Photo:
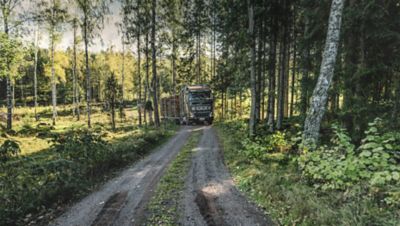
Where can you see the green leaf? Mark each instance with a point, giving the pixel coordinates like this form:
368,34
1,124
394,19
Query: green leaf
395,175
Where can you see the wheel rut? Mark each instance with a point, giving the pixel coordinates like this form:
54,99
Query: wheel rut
120,200
211,197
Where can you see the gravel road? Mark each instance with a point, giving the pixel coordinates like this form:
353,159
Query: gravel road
210,197
120,201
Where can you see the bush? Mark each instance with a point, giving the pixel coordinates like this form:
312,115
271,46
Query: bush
342,166
8,150
262,147
77,160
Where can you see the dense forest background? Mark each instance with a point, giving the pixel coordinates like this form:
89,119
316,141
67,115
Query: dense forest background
307,100
208,42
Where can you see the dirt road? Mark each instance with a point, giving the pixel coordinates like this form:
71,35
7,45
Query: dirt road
210,186
210,197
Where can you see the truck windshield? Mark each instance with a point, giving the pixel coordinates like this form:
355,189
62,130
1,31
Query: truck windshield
199,95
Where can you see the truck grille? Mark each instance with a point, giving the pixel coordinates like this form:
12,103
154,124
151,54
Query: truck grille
202,114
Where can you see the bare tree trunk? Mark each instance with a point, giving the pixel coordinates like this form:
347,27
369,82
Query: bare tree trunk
318,102
140,101
35,71
8,81
88,80
174,64
122,105
146,88
53,73
74,74
154,64
272,78
252,122
305,72
294,69
282,80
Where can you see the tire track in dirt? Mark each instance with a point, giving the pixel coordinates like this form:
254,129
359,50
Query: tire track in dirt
211,197
120,200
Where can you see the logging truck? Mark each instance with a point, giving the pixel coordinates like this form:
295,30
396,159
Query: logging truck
194,104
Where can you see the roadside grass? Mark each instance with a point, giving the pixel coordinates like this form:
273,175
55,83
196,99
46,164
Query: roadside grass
34,136
278,187
36,186
163,208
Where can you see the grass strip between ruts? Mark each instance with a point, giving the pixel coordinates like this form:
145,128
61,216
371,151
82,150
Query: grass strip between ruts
163,206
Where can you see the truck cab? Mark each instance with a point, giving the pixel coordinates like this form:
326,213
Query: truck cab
196,105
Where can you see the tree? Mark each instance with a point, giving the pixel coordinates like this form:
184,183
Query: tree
252,123
8,8
75,89
54,14
154,63
319,98
35,84
91,20
112,92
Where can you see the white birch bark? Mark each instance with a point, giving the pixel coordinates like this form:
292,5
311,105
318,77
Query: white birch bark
319,98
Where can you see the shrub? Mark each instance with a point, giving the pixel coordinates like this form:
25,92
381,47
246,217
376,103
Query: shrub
9,149
262,147
342,166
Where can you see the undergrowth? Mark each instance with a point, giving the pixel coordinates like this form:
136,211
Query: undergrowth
37,185
296,187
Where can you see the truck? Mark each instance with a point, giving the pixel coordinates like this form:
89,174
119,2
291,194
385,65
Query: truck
194,104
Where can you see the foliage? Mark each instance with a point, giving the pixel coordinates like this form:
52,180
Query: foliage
341,166
79,159
289,198
261,147
11,56
9,149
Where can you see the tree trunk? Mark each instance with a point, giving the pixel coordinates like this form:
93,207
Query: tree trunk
139,101
74,75
318,102
282,80
294,69
35,71
272,78
122,105
154,64
88,82
146,88
252,122
8,82
53,80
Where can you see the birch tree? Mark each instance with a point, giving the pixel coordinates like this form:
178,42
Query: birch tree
7,10
75,85
54,15
91,19
320,95
35,83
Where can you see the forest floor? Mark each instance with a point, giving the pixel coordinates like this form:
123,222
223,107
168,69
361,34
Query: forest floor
208,195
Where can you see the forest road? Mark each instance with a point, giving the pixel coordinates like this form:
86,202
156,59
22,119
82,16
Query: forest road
209,198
